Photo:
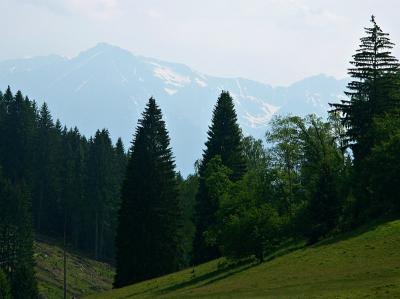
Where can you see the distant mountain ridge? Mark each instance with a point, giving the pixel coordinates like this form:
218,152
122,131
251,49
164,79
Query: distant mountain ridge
106,86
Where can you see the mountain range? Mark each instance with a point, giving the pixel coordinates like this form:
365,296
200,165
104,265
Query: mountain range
108,87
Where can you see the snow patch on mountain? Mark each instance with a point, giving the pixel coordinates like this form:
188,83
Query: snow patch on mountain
261,119
314,99
169,76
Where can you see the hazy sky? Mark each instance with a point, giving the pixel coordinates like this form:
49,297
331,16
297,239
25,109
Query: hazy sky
273,41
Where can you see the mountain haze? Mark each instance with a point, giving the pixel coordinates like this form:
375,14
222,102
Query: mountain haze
106,86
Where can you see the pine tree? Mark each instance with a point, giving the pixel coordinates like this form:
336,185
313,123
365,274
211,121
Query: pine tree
71,207
149,230
101,192
224,139
120,160
373,90
119,169
45,169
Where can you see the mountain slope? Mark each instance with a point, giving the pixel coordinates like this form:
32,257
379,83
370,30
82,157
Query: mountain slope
358,265
84,275
106,86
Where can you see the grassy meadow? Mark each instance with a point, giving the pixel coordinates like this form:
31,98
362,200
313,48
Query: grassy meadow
361,264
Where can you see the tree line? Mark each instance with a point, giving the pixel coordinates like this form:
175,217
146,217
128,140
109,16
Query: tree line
53,179
311,179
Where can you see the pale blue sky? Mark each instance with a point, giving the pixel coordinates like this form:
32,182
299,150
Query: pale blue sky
273,41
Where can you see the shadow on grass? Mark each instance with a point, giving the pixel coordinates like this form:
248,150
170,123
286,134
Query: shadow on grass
229,270
157,291
353,233
284,250
232,269
211,277
228,274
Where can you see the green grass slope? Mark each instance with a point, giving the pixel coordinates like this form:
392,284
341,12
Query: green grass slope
84,276
363,264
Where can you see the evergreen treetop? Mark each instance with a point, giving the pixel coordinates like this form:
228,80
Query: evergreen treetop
149,231
373,90
224,140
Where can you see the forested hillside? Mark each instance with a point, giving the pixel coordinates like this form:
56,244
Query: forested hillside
73,181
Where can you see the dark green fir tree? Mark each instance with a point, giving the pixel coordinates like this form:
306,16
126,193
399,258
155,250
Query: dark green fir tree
45,172
103,186
149,240
224,140
372,92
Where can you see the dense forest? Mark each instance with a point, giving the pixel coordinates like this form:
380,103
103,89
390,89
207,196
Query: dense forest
55,181
309,179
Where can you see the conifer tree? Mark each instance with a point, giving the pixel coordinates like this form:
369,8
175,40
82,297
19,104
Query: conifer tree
373,90
102,191
17,136
149,230
120,160
45,169
52,165
119,169
71,206
225,140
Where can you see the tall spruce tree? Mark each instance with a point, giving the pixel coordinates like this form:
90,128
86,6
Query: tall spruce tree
72,207
149,231
45,172
373,93
373,90
102,192
119,169
224,140
120,160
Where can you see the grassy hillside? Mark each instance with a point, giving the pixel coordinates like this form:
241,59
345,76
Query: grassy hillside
363,264
84,275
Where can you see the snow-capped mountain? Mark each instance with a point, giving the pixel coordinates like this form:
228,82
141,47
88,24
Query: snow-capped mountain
107,86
